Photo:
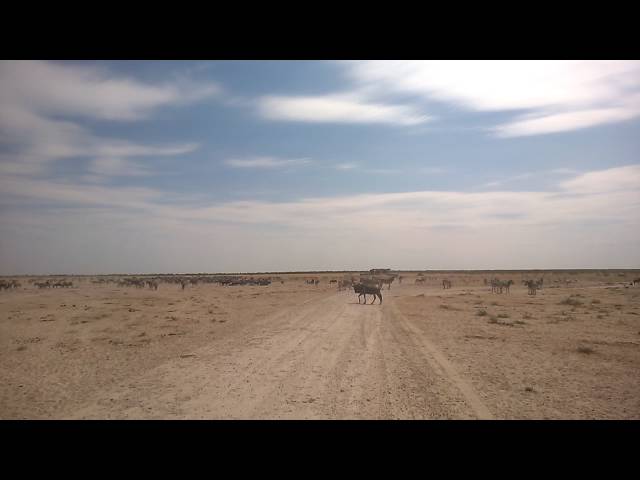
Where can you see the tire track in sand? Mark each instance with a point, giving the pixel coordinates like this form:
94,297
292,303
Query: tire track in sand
439,362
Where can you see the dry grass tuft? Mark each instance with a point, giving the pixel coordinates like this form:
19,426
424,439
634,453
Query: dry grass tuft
585,350
571,301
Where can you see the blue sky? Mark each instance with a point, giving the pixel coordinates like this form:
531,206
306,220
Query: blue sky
300,165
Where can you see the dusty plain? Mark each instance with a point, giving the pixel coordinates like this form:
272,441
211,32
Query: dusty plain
296,351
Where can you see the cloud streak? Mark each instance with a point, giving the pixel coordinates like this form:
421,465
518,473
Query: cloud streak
41,101
606,194
338,108
407,228
266,162
556,96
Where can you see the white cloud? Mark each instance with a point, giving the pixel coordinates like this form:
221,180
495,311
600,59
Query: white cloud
266,162
346,166
347,108
559,95
561,122
114,166
617,179
35,95
589,220
601,195
50,88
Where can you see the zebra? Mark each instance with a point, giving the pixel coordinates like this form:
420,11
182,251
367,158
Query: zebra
505,285
386,281
532,285
446,283
498,285
364,289
636,280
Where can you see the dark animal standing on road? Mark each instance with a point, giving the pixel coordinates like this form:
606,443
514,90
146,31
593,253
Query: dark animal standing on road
362,289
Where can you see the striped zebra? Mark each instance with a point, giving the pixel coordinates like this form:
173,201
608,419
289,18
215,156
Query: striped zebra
532,286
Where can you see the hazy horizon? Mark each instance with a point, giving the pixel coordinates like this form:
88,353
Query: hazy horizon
298,166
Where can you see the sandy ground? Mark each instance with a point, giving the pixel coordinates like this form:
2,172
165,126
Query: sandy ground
310,352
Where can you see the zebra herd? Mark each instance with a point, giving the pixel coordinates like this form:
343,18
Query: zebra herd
54,284
138,283
498,286
9,284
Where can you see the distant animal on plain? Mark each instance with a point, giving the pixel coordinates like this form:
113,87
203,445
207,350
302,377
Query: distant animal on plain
446,283
497,286
386,280
364,289
532,285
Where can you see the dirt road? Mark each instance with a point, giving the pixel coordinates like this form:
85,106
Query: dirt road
327,358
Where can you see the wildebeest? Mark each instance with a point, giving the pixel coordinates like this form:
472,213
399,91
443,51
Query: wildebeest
446,283
364,289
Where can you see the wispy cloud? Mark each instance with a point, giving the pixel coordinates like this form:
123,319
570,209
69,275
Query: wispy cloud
496,183
267,162
48,88
338,108
346,166
390,227
115,166
553,174
42,100
556,95
433,170
605,194
625,179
